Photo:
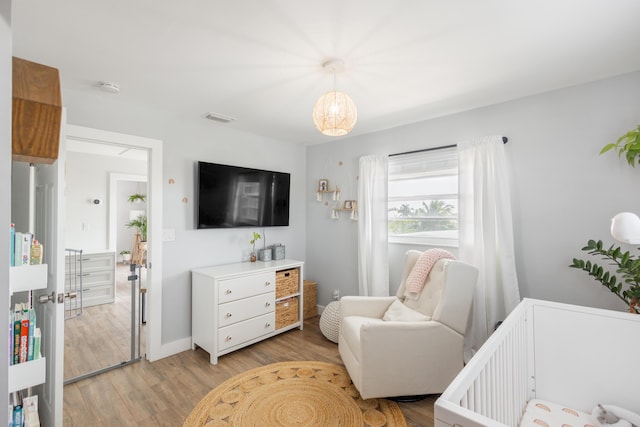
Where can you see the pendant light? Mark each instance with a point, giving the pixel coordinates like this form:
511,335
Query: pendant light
335,112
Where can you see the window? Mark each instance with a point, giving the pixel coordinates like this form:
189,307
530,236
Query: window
423,198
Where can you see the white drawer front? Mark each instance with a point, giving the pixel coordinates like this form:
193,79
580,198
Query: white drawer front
97,261
237,311
97,278
97,295
247,330
246,286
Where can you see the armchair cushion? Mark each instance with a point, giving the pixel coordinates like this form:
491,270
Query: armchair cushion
397,311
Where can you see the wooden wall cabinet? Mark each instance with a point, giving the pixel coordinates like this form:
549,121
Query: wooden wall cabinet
37,112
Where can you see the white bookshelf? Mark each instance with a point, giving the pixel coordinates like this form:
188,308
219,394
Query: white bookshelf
28,277
27,374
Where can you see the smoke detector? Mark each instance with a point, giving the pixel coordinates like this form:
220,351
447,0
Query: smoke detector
109,87
219,117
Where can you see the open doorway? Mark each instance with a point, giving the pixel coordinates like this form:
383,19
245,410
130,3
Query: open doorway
105,185
103,170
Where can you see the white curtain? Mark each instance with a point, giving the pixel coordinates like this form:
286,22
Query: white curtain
373,263
486,235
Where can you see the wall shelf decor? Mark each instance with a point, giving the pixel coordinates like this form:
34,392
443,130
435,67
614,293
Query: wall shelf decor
325,187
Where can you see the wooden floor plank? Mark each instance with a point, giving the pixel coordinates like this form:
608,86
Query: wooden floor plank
164,392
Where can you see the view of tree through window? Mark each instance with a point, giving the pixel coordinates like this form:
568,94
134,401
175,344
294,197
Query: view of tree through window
423,198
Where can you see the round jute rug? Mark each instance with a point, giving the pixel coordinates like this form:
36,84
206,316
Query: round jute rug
293,394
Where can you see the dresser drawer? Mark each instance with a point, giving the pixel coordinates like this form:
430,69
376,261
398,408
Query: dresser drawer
241,332
95,295
97,278
97,261
237,311
246,286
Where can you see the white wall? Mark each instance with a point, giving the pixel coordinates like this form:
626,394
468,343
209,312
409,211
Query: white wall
564,192
187,140
5,177
87,175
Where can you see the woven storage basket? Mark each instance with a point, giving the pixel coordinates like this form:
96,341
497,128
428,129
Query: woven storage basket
310,302
286,312
286,282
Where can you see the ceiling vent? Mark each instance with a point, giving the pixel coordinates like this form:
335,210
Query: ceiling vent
219,118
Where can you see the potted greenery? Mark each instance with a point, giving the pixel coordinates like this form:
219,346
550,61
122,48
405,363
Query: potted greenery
140,224
252,242
126,256
626,264
137,198
628,144
627,289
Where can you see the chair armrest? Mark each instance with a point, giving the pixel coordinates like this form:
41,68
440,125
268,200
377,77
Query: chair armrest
364,306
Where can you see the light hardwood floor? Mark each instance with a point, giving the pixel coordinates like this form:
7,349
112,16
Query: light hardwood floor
101,336
163,393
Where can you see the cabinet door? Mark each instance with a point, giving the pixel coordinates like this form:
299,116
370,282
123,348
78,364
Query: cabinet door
237,311
245,286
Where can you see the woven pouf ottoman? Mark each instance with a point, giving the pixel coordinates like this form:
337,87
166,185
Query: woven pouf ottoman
330,321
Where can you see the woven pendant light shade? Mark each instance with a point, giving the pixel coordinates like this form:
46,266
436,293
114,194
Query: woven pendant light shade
335,114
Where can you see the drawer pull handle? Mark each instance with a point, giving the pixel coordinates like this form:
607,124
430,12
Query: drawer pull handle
267,283
228,338
228,292
287,274
267,325
267,304
228,315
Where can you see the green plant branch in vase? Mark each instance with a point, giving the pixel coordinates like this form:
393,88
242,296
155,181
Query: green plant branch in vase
252,242
627,265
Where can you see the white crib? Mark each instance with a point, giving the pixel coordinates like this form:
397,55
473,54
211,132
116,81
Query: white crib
567,354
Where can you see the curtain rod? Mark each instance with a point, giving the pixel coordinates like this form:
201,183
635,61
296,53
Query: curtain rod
504,141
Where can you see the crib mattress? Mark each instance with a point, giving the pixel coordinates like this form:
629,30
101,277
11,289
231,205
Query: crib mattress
540,413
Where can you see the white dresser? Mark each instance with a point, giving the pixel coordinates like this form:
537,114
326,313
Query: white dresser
235,305
98,276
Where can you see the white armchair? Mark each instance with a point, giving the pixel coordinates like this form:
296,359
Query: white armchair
391,358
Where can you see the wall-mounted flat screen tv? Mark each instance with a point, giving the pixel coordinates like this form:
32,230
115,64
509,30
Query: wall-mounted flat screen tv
232,196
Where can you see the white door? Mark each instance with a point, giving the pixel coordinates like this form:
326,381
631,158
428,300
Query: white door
49,223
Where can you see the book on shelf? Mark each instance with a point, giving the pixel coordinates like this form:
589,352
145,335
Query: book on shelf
22,249
37,338
13,244
25,249
24,340
32,327
24,336
17,330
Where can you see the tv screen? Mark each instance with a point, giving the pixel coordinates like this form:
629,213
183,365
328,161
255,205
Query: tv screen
232,196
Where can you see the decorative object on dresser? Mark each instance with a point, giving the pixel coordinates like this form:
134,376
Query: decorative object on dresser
236,305
252,242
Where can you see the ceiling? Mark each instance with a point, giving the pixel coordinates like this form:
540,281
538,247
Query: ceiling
260,61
